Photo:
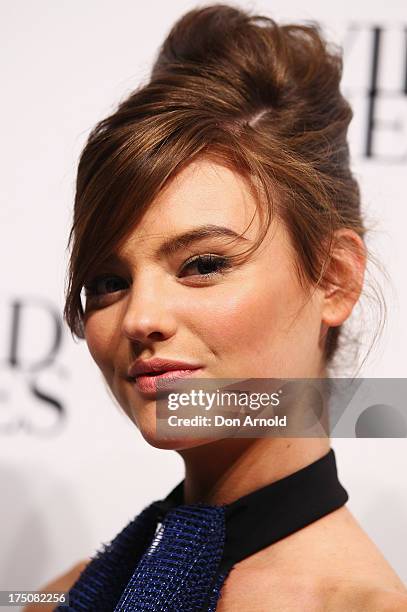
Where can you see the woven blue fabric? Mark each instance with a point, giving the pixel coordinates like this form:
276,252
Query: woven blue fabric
157,566
101,584
177,571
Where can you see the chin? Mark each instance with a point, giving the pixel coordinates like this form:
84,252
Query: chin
173,443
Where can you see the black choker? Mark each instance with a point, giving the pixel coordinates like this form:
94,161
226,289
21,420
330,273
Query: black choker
274,511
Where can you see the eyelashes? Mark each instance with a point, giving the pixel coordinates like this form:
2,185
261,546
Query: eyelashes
214,263
208,267
92,288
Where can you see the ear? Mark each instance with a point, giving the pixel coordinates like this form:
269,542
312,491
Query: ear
344,277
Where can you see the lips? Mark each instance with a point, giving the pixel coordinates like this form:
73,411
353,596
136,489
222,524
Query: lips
158,366
153,375
152,383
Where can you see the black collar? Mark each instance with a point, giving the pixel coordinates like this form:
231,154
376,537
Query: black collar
274,511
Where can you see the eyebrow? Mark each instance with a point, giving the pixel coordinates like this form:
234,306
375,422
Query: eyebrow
181,241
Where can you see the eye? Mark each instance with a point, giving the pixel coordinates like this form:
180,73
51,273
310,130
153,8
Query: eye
104,284
206,265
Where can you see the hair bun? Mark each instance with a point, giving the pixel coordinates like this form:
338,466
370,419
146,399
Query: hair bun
201,35
268,59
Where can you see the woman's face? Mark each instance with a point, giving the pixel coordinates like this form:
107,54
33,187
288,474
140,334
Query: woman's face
243,319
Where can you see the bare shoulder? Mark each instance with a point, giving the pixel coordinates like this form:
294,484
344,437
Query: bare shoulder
268,591
61,583
389,602
328,566
356,597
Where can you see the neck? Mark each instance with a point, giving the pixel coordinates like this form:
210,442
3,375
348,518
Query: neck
221,471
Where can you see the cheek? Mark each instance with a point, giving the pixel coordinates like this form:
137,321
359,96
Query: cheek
251,323
235,316
101,341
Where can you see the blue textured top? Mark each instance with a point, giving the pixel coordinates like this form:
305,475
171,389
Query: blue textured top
175,557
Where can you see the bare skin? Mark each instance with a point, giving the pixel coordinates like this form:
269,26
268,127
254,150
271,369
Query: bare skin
330,566
254,321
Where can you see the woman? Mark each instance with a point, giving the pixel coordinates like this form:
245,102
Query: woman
218,234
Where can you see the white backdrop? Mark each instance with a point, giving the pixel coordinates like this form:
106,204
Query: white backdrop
73,470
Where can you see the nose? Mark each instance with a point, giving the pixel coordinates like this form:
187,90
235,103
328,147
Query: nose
149,313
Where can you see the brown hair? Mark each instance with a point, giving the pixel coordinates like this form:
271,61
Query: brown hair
261,97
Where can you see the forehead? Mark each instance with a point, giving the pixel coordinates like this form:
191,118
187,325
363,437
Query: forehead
203,193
